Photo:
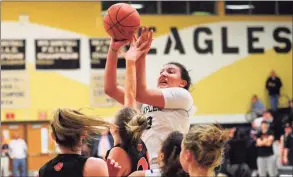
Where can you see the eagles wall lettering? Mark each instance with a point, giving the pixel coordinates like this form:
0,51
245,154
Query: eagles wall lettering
12,54
281,36
57,53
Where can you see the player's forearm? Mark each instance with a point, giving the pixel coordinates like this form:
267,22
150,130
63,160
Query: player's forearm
110,83
130,84
110,71
141,76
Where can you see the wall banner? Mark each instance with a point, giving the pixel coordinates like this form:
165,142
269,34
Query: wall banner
12,54
57,53
98,52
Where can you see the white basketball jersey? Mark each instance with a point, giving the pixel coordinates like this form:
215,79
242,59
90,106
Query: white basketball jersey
174,117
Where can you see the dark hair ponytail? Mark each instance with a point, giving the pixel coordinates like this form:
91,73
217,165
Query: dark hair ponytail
131,124
171,149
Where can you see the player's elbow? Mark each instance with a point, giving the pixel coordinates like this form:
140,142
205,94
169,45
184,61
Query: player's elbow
110,91
140,97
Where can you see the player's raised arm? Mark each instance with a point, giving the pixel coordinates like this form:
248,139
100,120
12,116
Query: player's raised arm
110,85
132,55
144,95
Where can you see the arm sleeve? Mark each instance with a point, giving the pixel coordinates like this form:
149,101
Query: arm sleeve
177,98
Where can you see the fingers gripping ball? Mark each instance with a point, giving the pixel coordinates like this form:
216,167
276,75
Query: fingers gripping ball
121,21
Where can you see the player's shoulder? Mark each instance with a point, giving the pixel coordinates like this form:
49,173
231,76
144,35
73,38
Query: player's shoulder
178,91
44,167
93,161
118,152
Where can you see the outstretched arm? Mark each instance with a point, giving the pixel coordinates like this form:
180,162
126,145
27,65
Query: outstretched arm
131,57
110,83
144,95
130,84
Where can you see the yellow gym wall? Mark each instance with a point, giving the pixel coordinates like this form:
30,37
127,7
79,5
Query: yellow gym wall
225,91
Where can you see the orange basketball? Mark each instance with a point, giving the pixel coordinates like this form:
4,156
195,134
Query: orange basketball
121,21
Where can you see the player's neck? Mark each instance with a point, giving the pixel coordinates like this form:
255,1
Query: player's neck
197,171
117,140
69,151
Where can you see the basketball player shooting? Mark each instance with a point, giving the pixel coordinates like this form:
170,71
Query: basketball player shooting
168,107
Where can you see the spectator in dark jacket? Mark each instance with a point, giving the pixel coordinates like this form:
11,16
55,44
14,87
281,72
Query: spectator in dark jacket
273,85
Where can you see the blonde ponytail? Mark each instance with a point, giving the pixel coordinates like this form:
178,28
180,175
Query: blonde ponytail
207,142
70,125
137,125
131,124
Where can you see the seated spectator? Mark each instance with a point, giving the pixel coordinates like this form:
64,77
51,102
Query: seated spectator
266,161
288,147
267,116
257,106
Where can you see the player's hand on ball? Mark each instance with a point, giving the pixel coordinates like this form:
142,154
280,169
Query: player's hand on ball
115,46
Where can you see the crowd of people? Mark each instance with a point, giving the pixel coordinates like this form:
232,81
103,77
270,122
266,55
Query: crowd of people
266,145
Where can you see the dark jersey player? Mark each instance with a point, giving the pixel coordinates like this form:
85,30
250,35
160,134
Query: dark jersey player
69,129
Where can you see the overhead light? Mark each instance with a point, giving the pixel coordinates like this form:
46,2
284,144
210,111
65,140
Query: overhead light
137,6
239,7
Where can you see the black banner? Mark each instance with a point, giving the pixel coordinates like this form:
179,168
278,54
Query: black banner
57,53
12,54
98,52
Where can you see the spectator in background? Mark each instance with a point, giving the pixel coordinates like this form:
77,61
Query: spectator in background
267,116
288,149
237,166
283,141
85,150
266,161
273,85
102,144
18,153
4,159
257,106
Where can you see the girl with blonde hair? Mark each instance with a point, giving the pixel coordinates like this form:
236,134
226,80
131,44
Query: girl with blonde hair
202,149
70,128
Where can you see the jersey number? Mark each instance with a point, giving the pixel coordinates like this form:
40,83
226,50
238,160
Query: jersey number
150,122
142,164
